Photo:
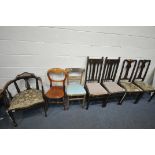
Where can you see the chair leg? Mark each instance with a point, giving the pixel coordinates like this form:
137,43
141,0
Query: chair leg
12,118
104,103
45,109
64,103
122,99
138,98
67,102
151,97
83,102
88,102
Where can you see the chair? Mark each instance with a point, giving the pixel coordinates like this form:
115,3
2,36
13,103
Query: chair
92,81
139,77
57,78
108,78
24,99
74,89
125,79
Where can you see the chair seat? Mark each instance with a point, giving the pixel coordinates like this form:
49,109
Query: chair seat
75,90
130,87
55,92
113,87
26,99
144,86
95,89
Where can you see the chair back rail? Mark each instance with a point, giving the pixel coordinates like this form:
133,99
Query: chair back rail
142,69
110,69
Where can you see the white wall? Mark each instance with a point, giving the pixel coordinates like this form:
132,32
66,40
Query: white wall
36,49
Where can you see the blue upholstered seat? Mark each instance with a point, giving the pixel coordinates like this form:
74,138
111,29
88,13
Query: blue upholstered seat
75,90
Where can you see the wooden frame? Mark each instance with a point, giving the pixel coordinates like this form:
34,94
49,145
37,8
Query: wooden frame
109,74
56,92
93,73
8,96
126,68
140,74
73,97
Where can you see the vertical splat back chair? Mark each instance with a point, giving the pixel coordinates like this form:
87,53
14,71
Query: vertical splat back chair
75,90
57,91
92,81
25,98
125,79
108,78
139,77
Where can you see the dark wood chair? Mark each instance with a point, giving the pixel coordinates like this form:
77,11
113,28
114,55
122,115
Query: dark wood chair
26,98
139,77
108,78
57,78
125,79
92,81
74,89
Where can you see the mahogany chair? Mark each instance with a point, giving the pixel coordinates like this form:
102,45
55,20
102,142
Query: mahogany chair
57,78
125,79
26,98
108,78
75,90
92,82
139,77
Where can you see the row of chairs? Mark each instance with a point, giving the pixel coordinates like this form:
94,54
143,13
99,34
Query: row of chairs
99,84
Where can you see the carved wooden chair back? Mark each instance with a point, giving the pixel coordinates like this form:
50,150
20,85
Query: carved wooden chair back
74,74
110,69
93,70
57,72
142,69
26,77
127,70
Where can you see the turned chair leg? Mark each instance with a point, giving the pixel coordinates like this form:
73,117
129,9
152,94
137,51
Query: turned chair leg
122,99
151,97
12,118
138,98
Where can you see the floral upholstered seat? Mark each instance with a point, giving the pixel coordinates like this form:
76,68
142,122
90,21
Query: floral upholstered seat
144,86
26,99
113,87
130,87
95,89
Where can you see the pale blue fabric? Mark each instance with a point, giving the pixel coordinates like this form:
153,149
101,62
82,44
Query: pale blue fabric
75,89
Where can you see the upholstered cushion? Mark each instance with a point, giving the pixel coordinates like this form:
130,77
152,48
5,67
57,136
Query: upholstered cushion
96,89
113,87
26,99
75,90
144,86
130,87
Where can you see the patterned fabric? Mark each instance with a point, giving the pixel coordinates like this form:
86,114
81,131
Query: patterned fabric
144,86
75,90
95,89
113,87
130,87
26,99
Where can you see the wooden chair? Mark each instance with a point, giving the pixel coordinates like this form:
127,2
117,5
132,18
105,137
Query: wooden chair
139,77
74,89
92,81
108,78
25,98
125,79
57,91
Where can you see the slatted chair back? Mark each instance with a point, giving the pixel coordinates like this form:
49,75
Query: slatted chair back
110,69
57,72
127,70
26,77
74,75
142,69
93,70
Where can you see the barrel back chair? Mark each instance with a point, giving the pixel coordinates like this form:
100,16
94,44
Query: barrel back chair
57,78
23,99
108,78
139,77
125,79
92,81
75,90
